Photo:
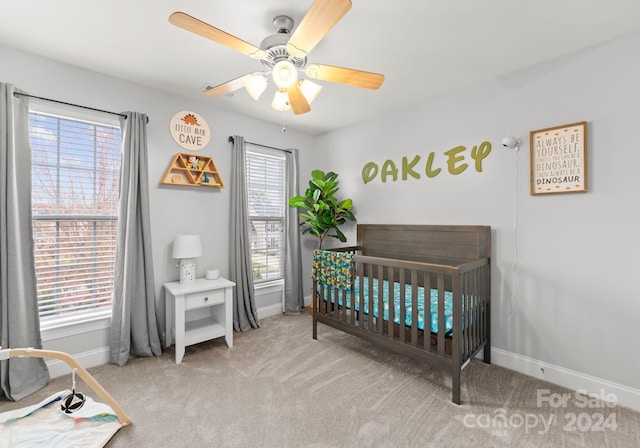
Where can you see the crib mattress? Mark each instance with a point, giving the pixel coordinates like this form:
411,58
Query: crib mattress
433,303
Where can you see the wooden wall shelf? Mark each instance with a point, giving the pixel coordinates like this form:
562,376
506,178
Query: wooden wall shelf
199,172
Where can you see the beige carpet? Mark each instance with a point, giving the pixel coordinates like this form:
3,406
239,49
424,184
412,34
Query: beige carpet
277,387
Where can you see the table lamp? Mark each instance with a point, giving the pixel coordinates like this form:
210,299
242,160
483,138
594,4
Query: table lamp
186,248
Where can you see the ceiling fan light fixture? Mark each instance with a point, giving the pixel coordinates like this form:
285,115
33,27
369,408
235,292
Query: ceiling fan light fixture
310,90
256,84
281,101
284,74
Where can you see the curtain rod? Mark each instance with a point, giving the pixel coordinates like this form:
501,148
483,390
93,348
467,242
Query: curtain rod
231,139
16,94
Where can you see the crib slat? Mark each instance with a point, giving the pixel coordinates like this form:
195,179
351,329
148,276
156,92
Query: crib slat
321,300
403,307
370,298
414,307
463,330
361,297
480,307
351,309
484,323
380,319
466,317
475,308
441,330
426,327
345,309
456,354
392,308
472,312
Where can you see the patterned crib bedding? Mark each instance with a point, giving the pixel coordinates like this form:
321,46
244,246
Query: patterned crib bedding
334,271
330,294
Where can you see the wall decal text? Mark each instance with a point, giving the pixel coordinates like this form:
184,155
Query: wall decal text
456,163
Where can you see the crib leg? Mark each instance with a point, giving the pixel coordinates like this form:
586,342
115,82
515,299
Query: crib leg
315,319
455,385
487,345
487,354
315,327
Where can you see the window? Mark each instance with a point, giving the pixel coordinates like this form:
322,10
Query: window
266,191
75,193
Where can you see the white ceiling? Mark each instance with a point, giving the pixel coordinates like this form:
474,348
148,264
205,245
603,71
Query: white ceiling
423,47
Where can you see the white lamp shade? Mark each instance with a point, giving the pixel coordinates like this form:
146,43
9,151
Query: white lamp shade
256,84
281,101
284,74
187,246
310,90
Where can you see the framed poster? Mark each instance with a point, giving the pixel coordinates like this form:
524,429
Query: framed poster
559,159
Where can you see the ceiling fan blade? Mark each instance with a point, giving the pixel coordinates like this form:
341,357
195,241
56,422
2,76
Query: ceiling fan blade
299,104
357,78
317,22
185,21
227,87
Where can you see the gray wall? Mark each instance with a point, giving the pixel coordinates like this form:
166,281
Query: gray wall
174,210
573,303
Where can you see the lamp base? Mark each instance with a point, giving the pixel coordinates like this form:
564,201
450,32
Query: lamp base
187,270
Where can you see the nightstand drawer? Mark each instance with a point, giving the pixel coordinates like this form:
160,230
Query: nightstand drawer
202,299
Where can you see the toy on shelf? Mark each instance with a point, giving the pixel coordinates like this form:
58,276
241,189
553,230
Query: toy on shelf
189,170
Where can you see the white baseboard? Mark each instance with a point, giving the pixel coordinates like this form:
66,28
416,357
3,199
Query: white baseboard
270,310
100,356
87,360
276,309
625,396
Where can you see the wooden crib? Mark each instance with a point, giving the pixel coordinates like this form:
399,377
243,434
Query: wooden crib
394,265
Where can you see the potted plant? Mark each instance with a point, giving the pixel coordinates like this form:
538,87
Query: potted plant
323,212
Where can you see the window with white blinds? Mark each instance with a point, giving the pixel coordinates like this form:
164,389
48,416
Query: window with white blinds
266,182
75,193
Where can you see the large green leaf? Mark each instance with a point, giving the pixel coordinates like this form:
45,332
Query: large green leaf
340,235
296,199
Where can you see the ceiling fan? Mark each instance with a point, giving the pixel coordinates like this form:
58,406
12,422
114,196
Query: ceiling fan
283,54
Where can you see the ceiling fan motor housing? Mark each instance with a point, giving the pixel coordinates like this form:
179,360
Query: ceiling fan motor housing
276,45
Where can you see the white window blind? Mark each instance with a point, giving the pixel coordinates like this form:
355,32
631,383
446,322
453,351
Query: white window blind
266,182
75,194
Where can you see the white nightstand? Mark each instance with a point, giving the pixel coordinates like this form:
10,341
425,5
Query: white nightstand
198,311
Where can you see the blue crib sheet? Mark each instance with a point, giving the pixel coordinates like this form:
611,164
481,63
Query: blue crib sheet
433,302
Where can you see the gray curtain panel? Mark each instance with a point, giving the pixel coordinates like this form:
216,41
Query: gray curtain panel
245,315
293,291
134,325
19,320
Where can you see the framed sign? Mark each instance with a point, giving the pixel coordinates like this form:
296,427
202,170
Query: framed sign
189,130
559,159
